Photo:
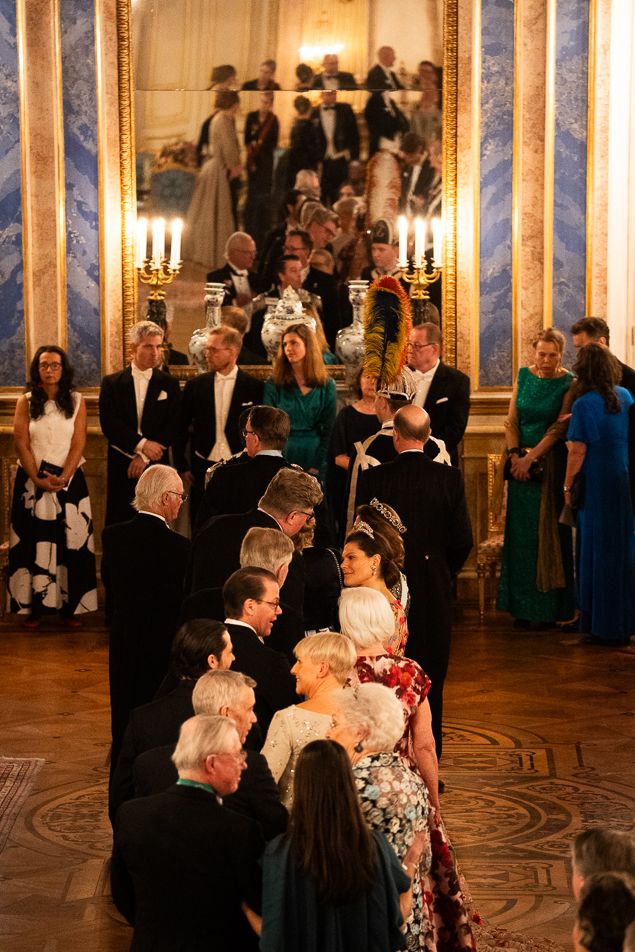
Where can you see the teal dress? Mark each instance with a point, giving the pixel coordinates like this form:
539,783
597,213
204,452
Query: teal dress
312,417
538,404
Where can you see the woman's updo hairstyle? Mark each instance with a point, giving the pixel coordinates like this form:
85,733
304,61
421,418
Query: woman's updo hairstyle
383,539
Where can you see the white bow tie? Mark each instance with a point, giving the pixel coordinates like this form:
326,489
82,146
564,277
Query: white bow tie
241,272
146,374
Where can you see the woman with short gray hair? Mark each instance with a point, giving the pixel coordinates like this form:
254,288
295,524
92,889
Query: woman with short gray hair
324,664
368,723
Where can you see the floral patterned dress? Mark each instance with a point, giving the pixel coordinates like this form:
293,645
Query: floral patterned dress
52,550
444,907
394,800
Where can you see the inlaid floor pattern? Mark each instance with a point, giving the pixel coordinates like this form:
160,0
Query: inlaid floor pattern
538,744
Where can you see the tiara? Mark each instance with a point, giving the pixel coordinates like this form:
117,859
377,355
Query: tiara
360,526
389,515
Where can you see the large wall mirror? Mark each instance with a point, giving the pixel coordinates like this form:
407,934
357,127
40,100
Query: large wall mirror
172,59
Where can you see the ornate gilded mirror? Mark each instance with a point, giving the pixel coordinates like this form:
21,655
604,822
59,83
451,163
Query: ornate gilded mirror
167,49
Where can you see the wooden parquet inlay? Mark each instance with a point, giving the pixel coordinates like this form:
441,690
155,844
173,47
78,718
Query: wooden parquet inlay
539,742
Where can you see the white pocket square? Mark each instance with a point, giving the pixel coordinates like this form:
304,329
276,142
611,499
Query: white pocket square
249,403
442,400
163,395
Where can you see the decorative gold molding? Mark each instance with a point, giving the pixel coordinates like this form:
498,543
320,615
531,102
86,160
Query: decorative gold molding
25,165
517,148
550,137
127,166
590,154
101,137
449,176
60,180
476,190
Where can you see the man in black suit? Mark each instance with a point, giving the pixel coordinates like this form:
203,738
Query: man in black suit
337,141
228,694
384,250
380,447
265,81
288,275
252,604
200,644
210,412
431,503
595,330
242,284
331,76
416,174
287,505
182,863
138,412
442,391
143,569
381,76
237,484
385,121
301,243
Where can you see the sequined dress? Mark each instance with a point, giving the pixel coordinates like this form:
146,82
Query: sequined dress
290,730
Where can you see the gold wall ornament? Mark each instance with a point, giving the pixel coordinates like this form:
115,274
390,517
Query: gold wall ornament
449,173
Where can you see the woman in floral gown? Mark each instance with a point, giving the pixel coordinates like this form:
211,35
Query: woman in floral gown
444,922
52,551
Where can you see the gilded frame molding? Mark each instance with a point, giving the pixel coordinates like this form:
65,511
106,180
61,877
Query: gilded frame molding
128,184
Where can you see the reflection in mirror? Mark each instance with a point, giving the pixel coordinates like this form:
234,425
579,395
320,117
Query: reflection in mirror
309,125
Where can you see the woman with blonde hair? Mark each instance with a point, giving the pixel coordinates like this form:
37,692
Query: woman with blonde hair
324,664
536,584
301,386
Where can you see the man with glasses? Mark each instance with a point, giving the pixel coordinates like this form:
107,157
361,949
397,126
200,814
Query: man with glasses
241,282
183,863
143,571
442,391
236,485
287,505
211,405
321,229
252,604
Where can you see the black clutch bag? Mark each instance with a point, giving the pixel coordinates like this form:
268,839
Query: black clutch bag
576,492
49,469
535,470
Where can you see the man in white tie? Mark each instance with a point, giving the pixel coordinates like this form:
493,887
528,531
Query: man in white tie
442,391
138,412
241,282
211,407
337,141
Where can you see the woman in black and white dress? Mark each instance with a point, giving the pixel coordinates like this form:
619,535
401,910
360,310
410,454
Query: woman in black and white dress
52,551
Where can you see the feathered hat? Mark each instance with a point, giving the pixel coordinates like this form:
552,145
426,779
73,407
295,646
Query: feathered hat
387,324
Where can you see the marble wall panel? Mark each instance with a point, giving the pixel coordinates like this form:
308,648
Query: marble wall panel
497,129
12,343
79,90
570,163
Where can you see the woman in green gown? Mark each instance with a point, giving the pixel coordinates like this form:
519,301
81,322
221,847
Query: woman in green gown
536,584
301,386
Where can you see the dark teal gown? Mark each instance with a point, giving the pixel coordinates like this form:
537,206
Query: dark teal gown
312,417
605,531
538,404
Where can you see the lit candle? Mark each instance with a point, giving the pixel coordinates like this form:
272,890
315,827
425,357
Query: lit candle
142,242
420,241
175,247
158,241
402,223
437,242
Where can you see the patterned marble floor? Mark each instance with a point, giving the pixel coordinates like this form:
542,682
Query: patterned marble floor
539,743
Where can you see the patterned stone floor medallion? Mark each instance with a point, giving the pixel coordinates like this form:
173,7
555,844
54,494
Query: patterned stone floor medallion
76,820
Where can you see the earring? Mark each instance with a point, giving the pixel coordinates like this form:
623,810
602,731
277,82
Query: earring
373,569
358,748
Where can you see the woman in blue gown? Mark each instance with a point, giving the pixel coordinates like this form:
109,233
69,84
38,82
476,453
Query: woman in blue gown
301,386
605,542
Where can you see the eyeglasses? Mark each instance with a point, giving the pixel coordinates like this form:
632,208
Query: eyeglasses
419,346
173,492
239,758
54,365
247,433
310,516
263,601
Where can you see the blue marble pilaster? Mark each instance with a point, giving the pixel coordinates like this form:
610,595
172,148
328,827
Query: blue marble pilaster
79,90
12,356
570,163
497,137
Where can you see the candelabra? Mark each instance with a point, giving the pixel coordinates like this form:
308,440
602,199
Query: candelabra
157,271
418,270
420,277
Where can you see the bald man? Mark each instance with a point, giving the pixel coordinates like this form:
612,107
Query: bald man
430,500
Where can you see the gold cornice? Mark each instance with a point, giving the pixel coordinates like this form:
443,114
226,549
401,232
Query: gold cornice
126,166
449,176
550,132
590,154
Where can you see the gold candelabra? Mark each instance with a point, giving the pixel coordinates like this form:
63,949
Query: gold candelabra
157,274
421,278
419,270
156,270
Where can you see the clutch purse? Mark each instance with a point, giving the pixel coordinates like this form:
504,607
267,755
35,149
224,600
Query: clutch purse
536,469
49,469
